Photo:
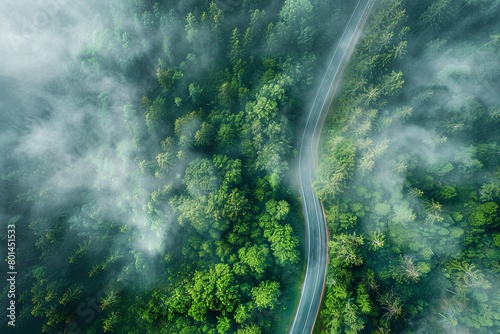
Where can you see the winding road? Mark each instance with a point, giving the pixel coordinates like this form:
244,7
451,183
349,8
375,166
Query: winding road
316,235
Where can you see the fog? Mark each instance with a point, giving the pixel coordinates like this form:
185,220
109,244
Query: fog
412,165
75,143
51,127
450,85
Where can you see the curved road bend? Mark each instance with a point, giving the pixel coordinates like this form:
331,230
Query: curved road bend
316,237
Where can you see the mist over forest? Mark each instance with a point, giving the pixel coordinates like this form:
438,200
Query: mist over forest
146,149
149,165
409,175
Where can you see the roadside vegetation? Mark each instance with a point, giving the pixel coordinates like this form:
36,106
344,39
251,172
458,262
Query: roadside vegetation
409,174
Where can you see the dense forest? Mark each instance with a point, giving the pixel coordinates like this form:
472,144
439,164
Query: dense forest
147,149
148,152
409,174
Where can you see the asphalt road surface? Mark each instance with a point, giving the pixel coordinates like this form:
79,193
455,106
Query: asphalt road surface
316,236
